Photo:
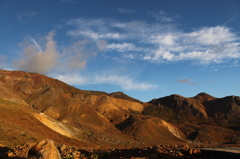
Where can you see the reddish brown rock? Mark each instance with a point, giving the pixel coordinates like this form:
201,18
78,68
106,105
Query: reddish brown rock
185,146
196,151
45,149
190,151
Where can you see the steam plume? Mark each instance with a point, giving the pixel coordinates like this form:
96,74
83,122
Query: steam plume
47,59
37,60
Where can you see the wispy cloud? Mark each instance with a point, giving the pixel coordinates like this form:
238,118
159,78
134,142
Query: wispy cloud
21,17
186,80
205,45
122,47
75,57
125,10
160,42
162,16
125,82
55,61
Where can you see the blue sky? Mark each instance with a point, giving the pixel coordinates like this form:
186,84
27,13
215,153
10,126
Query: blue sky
146,49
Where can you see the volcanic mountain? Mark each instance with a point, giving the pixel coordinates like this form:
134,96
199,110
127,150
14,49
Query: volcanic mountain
202,118
34,106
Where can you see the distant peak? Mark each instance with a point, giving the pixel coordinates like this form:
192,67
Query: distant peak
176,95
117,93
203,97
203,94
122,95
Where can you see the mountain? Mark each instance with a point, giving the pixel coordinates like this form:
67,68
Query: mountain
34,107
225,110
121,95
201,118
201,107
88,116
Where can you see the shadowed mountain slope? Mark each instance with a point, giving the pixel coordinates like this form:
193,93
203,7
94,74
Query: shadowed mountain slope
48,108
175,108
225,110
201,118
201,107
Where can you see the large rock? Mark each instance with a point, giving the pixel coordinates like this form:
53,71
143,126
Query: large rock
45,149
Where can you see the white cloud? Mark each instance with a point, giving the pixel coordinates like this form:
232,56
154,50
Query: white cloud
107,29
129,56
160,42
167,40
95,35
73,79
124,82
212,35
122,47
207,45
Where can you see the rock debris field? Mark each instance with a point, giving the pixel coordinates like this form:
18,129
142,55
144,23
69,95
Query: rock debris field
46,149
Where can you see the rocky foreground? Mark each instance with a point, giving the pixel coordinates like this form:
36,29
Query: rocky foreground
46,149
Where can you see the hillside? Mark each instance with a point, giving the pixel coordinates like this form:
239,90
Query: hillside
201,107
202,118
90,115
34,107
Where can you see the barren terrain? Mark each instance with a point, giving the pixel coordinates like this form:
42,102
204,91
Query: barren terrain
35,107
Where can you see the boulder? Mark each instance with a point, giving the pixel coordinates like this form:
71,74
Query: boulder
45,149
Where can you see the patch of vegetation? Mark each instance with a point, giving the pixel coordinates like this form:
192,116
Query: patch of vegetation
121,95
69,156
100,155
134,112
26,76
7,102
15,137
23,134
95,156
33,139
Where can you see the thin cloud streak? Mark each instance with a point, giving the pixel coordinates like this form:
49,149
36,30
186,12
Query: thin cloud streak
125,10
124,82
122,47
39,48
186,80
161,16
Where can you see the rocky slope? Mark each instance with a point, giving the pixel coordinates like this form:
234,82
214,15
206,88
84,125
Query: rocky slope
201,118
89,116
202,107
41,107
